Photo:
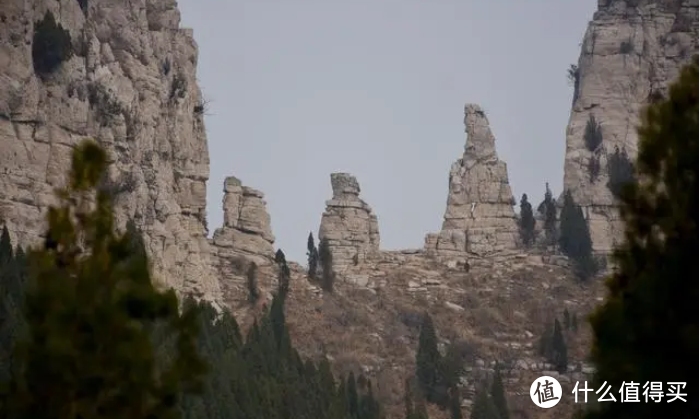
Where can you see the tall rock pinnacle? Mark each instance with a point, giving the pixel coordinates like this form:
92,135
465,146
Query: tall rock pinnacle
479,217
630,53
348,224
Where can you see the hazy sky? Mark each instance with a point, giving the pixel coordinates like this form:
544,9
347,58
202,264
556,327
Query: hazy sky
300,89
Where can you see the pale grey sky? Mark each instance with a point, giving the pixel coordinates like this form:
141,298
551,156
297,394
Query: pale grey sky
300,89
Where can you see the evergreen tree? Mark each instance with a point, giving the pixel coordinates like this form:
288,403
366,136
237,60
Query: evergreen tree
312,255
353,399
647,330
455,405
483,406
88,352
13,271
252,283
283,274
527,222
498,395
429,364
567,320
559,355
620,171
548,209
6,254
326,260
575,238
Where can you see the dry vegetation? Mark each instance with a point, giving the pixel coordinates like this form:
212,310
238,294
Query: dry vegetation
496,312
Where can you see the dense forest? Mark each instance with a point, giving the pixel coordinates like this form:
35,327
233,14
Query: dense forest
84,333
260,375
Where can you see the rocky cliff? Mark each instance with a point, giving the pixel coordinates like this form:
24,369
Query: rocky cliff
630,53
348,224
479,217
123,73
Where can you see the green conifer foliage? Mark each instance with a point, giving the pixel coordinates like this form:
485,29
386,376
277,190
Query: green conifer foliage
326,261
575,238
548,208
647,329
252,283
428,360
88,352
312,255
498,395
559,355
527,222
483,406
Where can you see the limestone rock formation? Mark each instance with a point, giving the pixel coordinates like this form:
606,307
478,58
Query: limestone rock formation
479,217
630,53
246,231
127,77
348,224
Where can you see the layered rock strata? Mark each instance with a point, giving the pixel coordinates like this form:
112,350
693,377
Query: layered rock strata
126,76
348,224
246,232
630,53
479,217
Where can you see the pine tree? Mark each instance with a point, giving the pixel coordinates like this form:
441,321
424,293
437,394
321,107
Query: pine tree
527,222
252,283
567,320
575,238
620,171
498,395
312,255
483,406
455,404
88,352
353,399
559,355
647,329
6,253
283,274
428,362
326,260
548,209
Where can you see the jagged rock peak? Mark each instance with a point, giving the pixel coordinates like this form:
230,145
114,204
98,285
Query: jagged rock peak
344,184
247,230
631,52
480,140
123,73
479,217
348,224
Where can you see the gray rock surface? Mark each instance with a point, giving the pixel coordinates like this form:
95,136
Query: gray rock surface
246,231
348,224
479,217
131,85
630,53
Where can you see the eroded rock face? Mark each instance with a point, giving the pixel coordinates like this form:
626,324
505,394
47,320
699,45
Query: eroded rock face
246,231
130,84
479,217
632,50
348,224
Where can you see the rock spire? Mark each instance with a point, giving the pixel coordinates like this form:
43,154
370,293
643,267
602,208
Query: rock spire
479,217
348,224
